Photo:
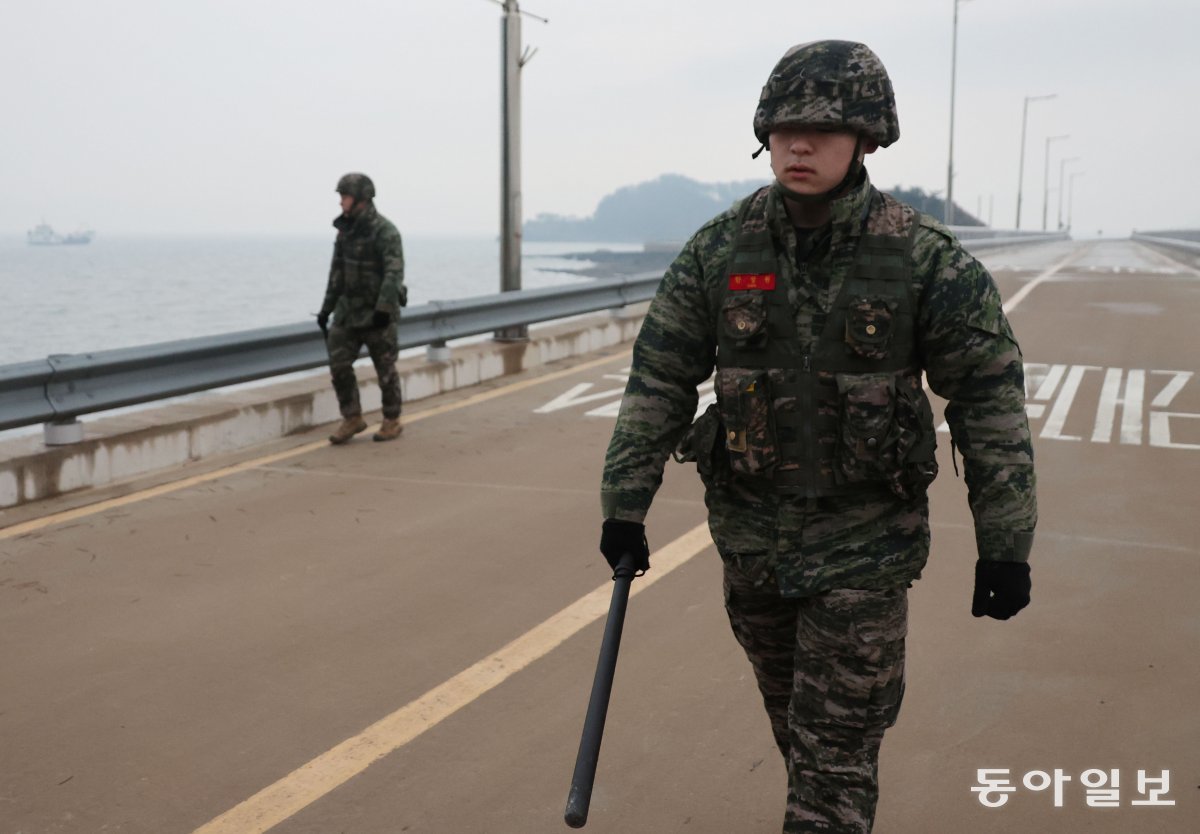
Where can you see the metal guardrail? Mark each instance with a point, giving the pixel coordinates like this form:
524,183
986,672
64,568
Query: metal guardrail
1183,240
61,388
974,238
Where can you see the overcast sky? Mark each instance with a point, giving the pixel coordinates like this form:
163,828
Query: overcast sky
139,116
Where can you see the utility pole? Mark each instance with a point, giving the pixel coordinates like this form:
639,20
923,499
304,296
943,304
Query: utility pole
512,59
1021,167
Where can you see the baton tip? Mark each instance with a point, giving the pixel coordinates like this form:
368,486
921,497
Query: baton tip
577,810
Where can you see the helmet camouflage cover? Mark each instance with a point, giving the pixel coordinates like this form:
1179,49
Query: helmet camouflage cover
835,83
358,186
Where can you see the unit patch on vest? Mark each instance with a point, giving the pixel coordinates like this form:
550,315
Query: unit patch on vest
752,281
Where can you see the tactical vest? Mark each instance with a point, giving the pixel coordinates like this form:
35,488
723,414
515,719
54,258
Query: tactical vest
848,415
362,266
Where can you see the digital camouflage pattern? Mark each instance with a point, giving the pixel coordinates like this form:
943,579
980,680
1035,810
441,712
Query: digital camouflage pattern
816,588
836,83
344,345
367,272
749,441
830,669
365,277
358,186
846,412
876,540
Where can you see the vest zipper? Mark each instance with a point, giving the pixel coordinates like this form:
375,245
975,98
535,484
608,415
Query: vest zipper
807,416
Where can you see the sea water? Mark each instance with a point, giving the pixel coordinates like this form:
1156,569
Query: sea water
126,291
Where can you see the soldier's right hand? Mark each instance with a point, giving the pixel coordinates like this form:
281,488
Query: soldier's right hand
323,322
619,537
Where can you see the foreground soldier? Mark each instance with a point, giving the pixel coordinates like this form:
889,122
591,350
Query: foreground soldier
821,301
364,295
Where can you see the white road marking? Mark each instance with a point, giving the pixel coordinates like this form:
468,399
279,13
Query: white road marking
1020,294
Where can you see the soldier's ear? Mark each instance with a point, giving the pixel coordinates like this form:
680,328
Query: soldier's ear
869,146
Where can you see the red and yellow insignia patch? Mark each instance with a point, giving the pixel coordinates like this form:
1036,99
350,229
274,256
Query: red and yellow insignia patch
752,281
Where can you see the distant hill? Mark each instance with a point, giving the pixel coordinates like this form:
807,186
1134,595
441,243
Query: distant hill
672,207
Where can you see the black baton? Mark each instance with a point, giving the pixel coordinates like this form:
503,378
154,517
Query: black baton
580,797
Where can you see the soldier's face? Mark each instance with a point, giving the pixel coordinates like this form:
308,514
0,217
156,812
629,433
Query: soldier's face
347,203
812,160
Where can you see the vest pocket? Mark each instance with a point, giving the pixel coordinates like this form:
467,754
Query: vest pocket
869,327
744,318
916,442
867,438
745,402
702,443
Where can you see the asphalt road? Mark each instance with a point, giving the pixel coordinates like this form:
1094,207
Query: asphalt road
401,637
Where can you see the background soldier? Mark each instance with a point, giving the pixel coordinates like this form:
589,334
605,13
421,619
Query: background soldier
821,301
364,295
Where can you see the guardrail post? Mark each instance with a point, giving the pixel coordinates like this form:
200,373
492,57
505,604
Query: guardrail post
62,433
437,352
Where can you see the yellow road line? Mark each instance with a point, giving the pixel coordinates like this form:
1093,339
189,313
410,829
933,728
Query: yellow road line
308,783
163,489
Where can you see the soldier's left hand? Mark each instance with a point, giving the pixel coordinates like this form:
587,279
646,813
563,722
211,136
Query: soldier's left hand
381,319
1001,589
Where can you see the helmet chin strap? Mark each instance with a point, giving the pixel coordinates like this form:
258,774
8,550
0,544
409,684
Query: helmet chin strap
852,173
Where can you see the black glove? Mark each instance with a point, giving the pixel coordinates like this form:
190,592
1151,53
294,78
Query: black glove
323,323
380,319
1001,589
620,537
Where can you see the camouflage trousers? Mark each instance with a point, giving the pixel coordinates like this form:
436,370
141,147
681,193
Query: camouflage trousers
830,668
344,345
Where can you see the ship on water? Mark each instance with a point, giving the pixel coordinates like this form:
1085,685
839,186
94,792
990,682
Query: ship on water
43,235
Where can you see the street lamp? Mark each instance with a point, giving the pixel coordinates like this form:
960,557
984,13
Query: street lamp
949,212
1071,194
1046,177
1061,169
1021,168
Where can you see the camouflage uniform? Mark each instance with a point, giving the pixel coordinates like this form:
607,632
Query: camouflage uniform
815,581
367,275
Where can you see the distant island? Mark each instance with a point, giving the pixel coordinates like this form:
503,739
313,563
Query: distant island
672,207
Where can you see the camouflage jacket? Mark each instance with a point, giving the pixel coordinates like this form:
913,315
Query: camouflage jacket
367,273
970,358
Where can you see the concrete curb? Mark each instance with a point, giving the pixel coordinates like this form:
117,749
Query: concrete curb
158,438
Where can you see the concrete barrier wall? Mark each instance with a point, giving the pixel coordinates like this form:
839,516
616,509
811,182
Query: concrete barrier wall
156,439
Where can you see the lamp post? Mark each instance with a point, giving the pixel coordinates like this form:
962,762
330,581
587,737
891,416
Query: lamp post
948,214
1071,194
1062,166
1021,167
1046,177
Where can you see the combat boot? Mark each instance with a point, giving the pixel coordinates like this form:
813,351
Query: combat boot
349,427
390,429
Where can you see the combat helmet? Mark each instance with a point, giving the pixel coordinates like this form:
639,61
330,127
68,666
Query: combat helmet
835,83
358,186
